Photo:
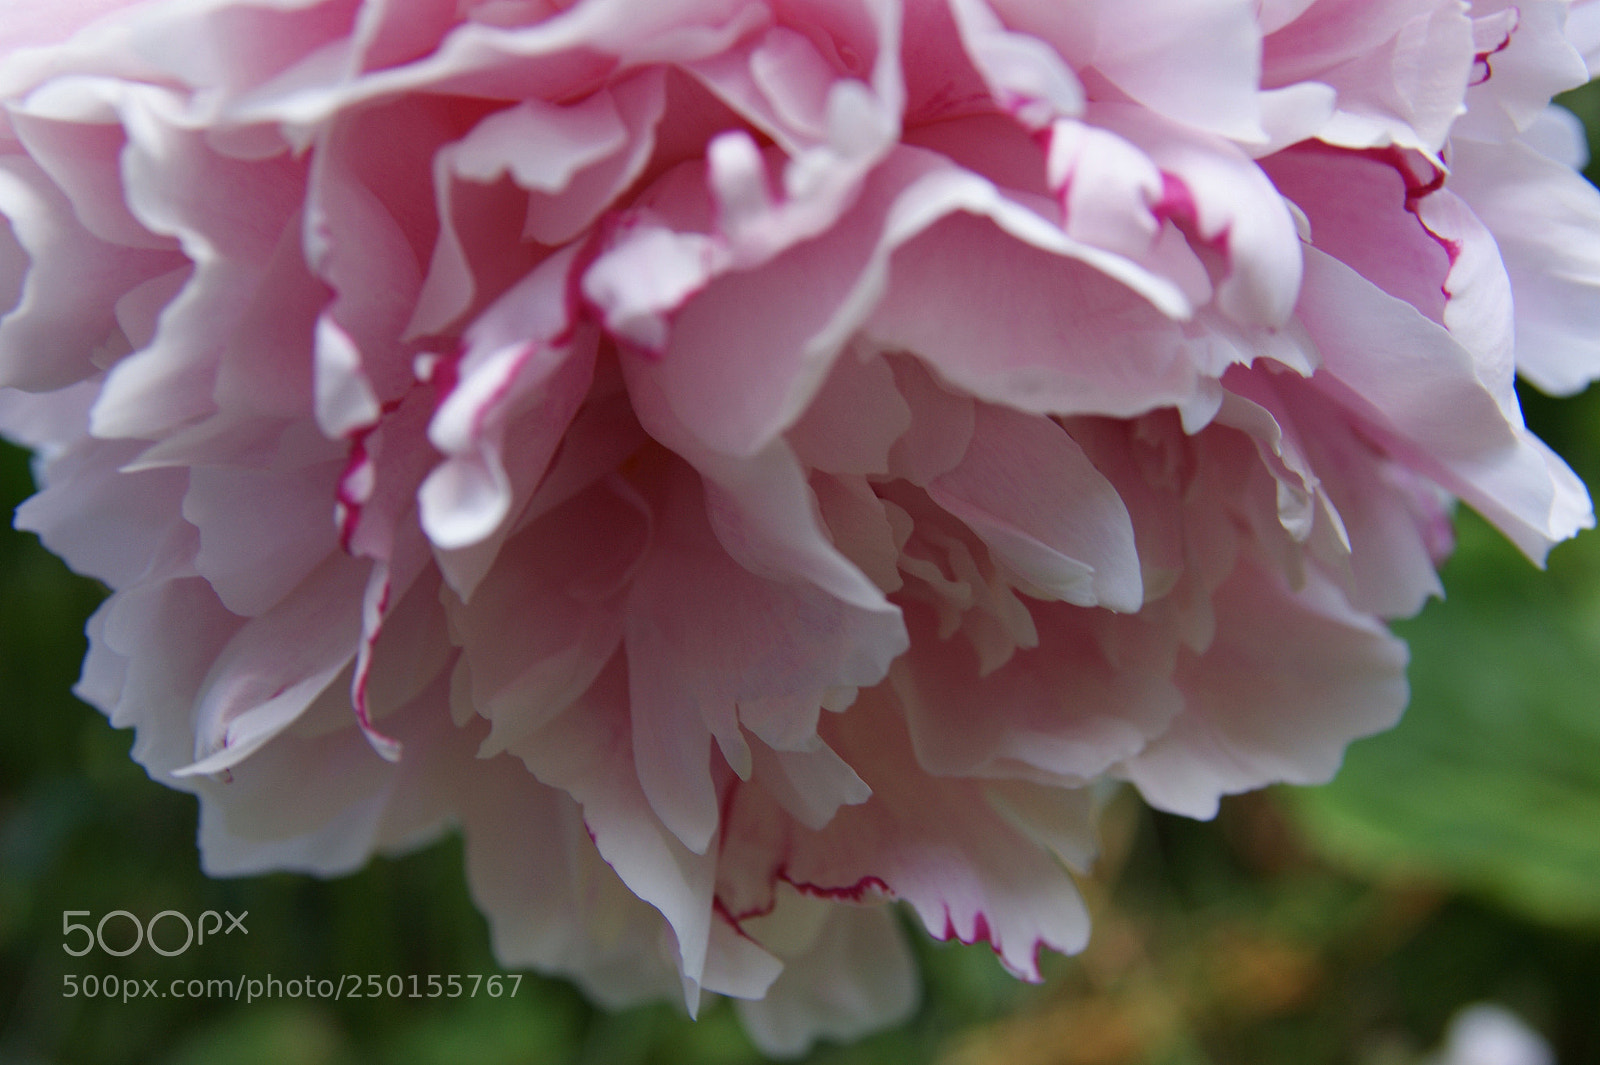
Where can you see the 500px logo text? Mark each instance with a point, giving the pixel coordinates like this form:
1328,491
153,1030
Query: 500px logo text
146,932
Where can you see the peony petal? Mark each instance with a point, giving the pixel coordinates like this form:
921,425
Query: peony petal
524,670
1072,539
263,679
1197,63
1521,59
51,337
762,509
1251,716
705,637
261,532
856,976
86,494
1400,68
964,869
1064,711
1212,186
855,420
1536,209
588,752
1025,76
552,902
1466,443
1032,298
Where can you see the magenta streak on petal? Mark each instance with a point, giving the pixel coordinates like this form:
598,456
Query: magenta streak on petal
601,238
524,356
347,508
1177,205
982,933
736,919
348,503
857,892
720,908
1481,59
1416,187
579,306
1416,191
1176,202
444,373
532,348
386,746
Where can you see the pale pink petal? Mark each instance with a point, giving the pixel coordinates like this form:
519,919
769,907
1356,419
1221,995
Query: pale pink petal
37,23
1197,63
705,637
585,154
963,281
761,508
1583,30
1521,58
737,404
603,435
1362,210
1436,409
64,318
364,235
522,376
1251,718
152,647
86,494
1064,709
804,776
261,531
942,424
178,186
523,668
963,867
855,420
855,976
1107,188
862,526
1025,76
1400,68
1540,213
1213,187
1393,527
551,900
1063,530
354,804
272,366
262,680
589,753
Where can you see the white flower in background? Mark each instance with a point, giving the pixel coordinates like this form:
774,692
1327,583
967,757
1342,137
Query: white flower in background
1487,1034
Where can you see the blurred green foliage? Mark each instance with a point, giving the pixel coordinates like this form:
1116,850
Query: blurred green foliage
1455,859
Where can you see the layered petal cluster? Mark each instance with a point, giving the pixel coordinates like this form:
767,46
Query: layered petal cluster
746,461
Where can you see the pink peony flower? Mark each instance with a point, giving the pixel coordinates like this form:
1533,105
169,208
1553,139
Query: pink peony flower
744,461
